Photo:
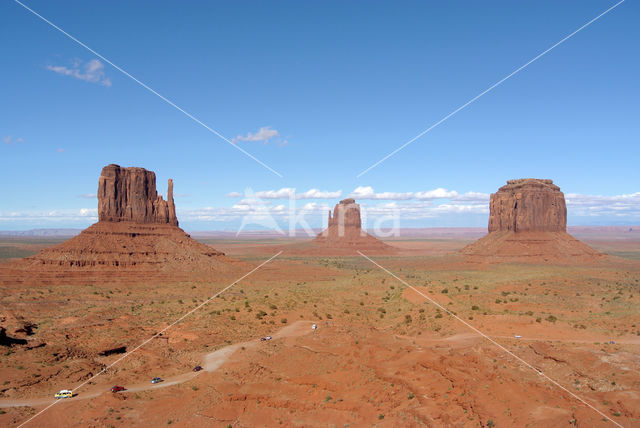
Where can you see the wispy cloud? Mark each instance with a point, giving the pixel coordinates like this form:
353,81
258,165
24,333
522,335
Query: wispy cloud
92,71
367,192
10,140
88,196
289,192
264,134
625,205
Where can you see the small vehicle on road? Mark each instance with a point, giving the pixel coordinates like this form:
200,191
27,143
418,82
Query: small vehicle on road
268,337
313,327
197,368
117,388
64,393
156,380
517,336
262,339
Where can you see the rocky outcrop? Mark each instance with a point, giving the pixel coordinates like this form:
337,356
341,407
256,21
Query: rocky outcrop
129,194
345,221
345,231
527,223
137,231
528,205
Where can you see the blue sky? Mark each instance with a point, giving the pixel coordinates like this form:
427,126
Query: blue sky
342,83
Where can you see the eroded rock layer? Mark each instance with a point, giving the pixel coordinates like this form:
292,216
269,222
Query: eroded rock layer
345,230
129,194
528,205
527,223
137,232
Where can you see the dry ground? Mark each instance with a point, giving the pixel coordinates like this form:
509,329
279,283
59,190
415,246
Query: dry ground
382,354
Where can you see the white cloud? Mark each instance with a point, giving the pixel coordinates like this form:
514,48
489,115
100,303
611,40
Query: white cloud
625,205
367,192
319,194
10,140
89,196
438,193
50,217
265,133
92,71
286,193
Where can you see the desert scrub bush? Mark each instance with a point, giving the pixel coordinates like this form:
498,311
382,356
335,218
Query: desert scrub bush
408,319
475,308
551,318
260,314
445,291
283,321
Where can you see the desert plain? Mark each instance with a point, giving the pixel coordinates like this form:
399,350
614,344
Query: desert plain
382,355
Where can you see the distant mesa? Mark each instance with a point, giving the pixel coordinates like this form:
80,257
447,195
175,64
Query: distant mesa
136,230
345,231
528,222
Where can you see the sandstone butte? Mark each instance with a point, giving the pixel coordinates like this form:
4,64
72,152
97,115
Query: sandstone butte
344,231
528,222
137,230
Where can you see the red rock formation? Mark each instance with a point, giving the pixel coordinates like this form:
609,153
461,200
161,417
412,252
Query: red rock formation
137,231
345,230
528,205
129,194
527,223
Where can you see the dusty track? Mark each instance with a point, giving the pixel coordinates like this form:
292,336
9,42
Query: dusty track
211,362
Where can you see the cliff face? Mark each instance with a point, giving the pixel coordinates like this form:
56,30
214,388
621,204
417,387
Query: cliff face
527,223
528,205
129,194
346,220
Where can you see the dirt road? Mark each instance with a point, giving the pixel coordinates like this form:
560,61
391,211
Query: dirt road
211,362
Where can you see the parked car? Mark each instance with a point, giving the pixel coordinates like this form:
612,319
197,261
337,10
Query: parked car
268,337
156,380
197,368
64,393
517,336
313,327
117,388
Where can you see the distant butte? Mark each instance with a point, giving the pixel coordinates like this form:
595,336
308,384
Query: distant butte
344,231
137,230
528,222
